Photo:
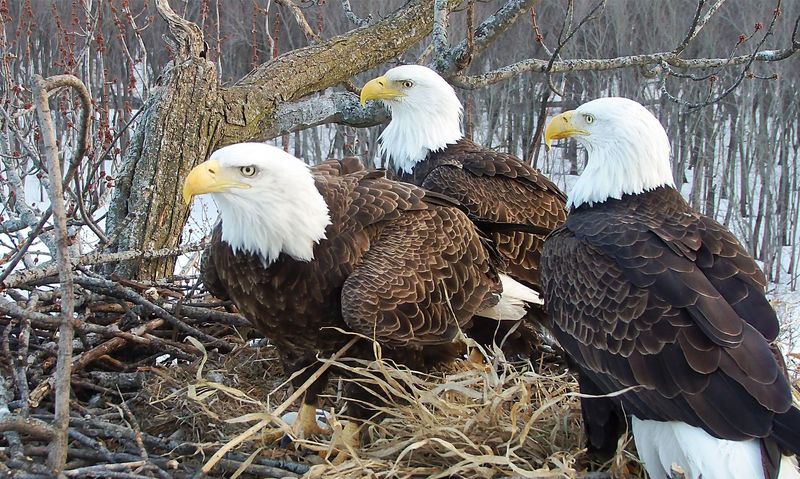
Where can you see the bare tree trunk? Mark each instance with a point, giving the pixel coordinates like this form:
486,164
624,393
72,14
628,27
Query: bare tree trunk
191,115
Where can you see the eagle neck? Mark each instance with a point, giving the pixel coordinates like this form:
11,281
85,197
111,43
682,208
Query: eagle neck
631,165
290,217
416,131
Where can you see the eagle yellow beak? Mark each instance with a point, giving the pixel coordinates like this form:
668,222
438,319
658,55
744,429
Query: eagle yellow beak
209,177
379,89
561,127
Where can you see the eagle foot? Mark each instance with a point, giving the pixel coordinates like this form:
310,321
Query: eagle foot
306,425
476,360
343,443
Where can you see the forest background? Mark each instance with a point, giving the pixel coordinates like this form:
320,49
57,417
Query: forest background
169,82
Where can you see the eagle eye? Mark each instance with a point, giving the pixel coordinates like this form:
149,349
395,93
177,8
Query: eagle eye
248,170
407,83
589,119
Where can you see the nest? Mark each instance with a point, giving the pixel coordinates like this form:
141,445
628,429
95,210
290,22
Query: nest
166,385
508,419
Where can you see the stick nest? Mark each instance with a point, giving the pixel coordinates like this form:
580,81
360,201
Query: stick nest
166,383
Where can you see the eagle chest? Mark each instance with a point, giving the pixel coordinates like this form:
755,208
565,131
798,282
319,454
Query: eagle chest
289,298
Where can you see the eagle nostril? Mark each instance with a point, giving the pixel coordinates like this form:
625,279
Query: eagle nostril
211,170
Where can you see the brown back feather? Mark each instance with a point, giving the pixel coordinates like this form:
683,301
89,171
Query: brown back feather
644,292
497,187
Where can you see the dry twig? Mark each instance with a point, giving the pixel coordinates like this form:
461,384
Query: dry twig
300,17
57,456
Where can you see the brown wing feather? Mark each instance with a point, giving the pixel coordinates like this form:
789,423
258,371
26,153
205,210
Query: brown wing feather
349,164
497,187
422,280
209,275
644,292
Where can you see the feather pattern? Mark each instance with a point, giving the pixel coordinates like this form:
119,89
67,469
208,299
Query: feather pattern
643,292
497,187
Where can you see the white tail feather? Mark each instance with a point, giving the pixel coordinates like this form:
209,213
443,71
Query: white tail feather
789,469
513,301
668,446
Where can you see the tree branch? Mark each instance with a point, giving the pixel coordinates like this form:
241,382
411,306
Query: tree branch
57,456
698,24
34,233
439,33
465,61
330,107
51,269
27,425
348,12
300,18
576,65
187,38
486,33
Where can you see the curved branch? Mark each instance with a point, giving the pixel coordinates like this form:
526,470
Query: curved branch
85,120
330,107
84,141
57,455
187,38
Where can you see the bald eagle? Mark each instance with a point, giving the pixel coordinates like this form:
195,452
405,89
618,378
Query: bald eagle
653,299
425,146
302,250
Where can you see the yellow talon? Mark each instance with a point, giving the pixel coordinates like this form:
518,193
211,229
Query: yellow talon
306,425
345,443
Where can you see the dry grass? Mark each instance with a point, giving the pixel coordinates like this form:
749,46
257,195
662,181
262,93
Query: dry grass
512,419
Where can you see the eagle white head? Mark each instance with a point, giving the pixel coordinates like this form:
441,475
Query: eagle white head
426,113
627,146
267,200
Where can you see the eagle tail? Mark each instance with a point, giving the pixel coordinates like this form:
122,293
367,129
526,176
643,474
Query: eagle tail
786,430
789,469
514,301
